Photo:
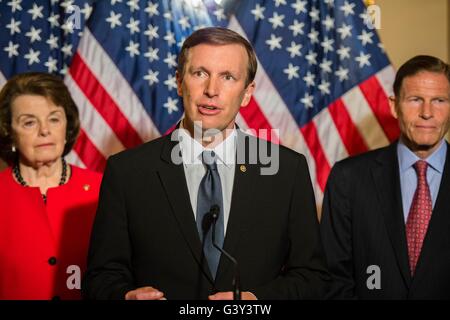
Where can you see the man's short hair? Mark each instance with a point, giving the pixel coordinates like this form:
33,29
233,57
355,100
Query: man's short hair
418,64
217,36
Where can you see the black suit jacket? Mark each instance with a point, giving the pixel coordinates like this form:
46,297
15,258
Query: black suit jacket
363,225
145,232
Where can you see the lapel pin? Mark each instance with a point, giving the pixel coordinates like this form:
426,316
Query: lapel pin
243,168
86,187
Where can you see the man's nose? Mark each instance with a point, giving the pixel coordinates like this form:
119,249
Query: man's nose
211,88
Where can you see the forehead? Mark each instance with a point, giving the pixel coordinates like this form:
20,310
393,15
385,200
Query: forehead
232,56
34,105
427,82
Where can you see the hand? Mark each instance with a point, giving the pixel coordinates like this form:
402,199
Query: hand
145,293
246,295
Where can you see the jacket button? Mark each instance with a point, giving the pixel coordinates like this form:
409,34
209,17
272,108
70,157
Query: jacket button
52,261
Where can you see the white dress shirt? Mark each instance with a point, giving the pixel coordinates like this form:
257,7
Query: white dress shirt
194,170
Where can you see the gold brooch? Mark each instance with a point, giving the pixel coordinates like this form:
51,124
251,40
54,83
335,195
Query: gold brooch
86,187
243,168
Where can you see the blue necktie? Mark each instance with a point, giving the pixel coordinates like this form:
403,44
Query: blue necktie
209,194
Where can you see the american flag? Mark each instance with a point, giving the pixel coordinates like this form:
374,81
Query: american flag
323,77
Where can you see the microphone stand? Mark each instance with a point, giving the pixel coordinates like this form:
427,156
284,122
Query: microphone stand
236,279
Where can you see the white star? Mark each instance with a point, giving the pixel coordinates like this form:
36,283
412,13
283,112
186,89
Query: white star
33,34
307,100
152,10
328,23
167,15
325,65
67,50
114,19
291,71
12,49
296,27
324,87
113,2
170,38
294,49
343,52
36,12
363,59
258,12
32,56
276,20
342,73
171,82
133,48
311,57
299,6
53,2
365,37
53,19
314,36
309,79
348,8
171,105
133,25
220,15
180,43
64,70
279,2
51,65
152,32
68,27
15,5
184,22
274,42
330,3
381,46
345,31
171,60
14,26
133,4
367,19
327,45
314,14
87,11
52,42
151,77
67,5
152,54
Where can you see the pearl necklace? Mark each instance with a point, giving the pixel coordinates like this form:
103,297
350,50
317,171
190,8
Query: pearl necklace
20,179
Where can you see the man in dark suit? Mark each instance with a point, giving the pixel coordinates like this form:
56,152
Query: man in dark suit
152,237
386,214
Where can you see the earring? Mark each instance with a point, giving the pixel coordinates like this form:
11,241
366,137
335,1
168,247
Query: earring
13,148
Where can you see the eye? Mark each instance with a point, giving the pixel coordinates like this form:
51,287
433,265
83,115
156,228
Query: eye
229,77
54,120
199,74
29,123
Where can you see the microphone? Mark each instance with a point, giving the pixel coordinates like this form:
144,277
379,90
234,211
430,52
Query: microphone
214,215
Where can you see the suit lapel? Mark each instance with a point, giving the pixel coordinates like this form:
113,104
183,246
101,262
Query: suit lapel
438,226
173,181
241,212
387,180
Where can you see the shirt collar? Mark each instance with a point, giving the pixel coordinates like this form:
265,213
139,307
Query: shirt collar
191,149
407,158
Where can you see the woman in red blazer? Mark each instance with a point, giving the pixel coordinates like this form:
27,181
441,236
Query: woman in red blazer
46,206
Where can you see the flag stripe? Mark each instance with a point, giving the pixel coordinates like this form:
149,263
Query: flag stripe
100,99
352,139
88,153
364,119
378,101
309,131
74,159
255,119
329,137
94,125
107,74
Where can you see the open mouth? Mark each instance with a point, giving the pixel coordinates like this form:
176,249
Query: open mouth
208,109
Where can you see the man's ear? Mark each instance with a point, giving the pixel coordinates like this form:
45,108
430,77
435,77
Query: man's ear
248,94
179,81
392,106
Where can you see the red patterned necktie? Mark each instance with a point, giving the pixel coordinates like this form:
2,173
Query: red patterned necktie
419,215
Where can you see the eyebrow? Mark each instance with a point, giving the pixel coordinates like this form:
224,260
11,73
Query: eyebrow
34,116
